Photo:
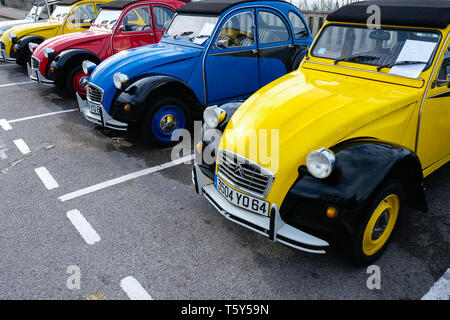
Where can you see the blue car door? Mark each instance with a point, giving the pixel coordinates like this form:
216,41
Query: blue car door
231,64
275,46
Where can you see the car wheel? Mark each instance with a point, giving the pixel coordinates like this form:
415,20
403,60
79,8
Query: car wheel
26,58
165,115
375,233
73,81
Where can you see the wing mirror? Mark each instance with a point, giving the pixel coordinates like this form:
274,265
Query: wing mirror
222,44
122,28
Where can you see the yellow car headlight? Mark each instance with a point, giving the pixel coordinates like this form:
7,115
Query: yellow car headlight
320,163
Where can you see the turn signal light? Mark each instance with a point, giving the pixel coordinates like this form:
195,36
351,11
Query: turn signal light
199,146
52,69
127,107
332,212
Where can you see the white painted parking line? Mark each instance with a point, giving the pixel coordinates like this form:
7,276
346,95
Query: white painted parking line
441,289
22,146
133,289
83,227
15,84
127,177
46,178
41,115
5,124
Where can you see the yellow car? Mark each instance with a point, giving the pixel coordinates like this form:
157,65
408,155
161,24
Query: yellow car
332,153
68,16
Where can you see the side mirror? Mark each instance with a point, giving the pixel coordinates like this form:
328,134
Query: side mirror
222,44
122,28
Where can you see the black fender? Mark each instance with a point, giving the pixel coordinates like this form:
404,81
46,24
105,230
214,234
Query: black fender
21,46
362,167
69,58
137,93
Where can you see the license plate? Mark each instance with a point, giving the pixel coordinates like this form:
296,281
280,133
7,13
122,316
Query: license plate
94,108
242,200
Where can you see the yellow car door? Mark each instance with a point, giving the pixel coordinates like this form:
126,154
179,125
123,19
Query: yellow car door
434,124
80,18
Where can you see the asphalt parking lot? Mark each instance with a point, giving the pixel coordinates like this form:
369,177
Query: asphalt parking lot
76,196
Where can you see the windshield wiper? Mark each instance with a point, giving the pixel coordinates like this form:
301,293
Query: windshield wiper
186,33
399,63
357,57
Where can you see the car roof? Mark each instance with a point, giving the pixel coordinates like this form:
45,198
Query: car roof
417,13
120,4
216,7
68,2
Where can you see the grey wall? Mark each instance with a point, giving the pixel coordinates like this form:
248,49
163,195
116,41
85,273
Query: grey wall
21,4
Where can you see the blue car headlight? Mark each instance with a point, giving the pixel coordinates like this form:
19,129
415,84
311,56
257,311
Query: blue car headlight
119,80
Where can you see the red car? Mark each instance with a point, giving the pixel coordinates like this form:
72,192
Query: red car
120,25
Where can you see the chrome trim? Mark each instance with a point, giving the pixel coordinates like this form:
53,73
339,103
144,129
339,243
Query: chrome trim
431,80
262,180
96,88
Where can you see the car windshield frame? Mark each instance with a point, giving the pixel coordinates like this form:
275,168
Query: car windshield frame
198,38
102,26
56,11
411,29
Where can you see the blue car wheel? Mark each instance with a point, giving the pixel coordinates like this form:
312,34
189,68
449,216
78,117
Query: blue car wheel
164,117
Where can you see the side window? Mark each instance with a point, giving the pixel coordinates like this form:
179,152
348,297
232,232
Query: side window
271,29
300,30
238,31
82,13
43,15
444,72
138,19
162,16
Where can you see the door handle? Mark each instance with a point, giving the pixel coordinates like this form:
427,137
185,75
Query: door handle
255,51
152,34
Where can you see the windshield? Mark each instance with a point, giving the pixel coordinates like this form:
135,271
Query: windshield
192,27
32,14
106,19
60,13
393,50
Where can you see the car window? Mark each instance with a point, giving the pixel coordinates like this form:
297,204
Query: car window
444,71
271,28
381,47
162,16
238,31
137,20
43,13
82,13
300,30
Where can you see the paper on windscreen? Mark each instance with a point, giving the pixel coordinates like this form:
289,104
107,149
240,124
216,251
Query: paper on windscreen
413,50
204,33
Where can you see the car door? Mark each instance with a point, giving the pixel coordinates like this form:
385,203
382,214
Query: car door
162,15
135,29
434,126
80,18
275,46
231,64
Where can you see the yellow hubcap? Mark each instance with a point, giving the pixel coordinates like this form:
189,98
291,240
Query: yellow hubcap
380,225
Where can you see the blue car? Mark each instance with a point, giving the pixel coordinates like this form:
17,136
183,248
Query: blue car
213,52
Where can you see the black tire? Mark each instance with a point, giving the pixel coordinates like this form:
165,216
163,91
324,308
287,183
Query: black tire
25,58
153,107
353,247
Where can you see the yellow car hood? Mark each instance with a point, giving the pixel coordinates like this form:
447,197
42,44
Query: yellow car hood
37,28
311,109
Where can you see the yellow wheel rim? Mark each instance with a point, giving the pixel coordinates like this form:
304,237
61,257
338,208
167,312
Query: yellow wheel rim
380,225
